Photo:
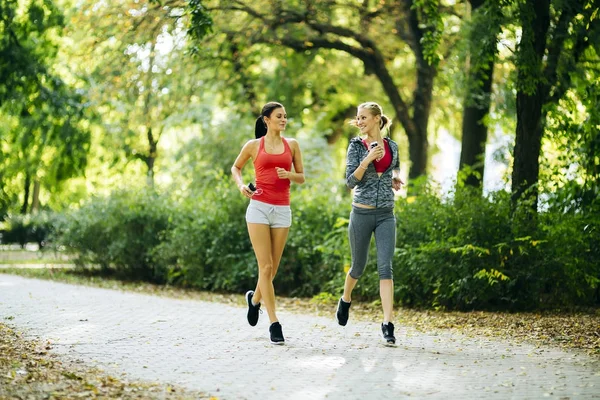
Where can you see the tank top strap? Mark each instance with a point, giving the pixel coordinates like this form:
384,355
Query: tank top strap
286,146
261,145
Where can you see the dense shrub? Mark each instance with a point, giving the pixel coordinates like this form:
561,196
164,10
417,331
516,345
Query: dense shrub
461,252
467,253
30,228
119,233
208,246
316,249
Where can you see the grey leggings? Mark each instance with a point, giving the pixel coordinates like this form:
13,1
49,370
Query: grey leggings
363,222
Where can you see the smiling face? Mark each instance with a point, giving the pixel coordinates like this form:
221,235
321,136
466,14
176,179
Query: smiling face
366,121
277,120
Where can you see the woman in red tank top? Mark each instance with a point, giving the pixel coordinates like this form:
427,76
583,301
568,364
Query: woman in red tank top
268,215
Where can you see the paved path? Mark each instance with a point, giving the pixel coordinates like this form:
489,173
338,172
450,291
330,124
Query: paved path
209,347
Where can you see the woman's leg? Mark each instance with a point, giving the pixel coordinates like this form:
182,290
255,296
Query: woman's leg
260,236
386,291
349,285
385,240
278,240
360,230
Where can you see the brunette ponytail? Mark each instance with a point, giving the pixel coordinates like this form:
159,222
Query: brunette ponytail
260,127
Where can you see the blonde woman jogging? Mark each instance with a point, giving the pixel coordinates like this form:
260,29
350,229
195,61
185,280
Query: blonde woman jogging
372,170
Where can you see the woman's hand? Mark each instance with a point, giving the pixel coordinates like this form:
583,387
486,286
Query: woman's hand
246,191
376,153
282,173
397,183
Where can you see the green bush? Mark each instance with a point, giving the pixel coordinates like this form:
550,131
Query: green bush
466,253
30,228
463,252
315,252
208,247
119,233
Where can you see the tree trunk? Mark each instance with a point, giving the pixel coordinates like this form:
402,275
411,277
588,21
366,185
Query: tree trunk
535,17
337,121
528,143
151,158
474,130
419,146
25,205
413,29
35,199
150,174
478,97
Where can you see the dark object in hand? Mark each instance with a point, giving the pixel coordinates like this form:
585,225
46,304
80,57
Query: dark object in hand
252,187
374,144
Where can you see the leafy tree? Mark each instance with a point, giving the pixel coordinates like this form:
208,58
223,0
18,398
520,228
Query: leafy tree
140,78
570,167
482,39
555,36
360,30
43,141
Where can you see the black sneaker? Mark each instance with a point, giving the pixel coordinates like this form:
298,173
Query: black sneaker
252,309
341,314
276,333
388,333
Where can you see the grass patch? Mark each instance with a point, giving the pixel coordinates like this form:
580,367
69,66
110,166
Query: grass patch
33,261
33,257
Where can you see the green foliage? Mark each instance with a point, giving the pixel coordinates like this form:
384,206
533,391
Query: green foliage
314,256
200,22
208,247
571,256
43,137
463,252
119,233
466,254
31,228
432,25
570,168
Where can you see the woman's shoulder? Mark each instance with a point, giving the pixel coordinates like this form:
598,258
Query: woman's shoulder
292,143
251,144
357,140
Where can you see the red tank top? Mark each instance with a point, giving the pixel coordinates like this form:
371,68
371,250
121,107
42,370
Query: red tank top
275,191
386,160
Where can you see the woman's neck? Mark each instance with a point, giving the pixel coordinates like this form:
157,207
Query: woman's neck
374,136
273,134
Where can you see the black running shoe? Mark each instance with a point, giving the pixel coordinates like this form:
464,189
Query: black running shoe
252,309
388,333
276,333
341,314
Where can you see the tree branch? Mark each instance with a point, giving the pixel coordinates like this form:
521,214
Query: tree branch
560,84
555,49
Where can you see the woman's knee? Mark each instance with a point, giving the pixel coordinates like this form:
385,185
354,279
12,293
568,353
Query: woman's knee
385,271
266,270
356,272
